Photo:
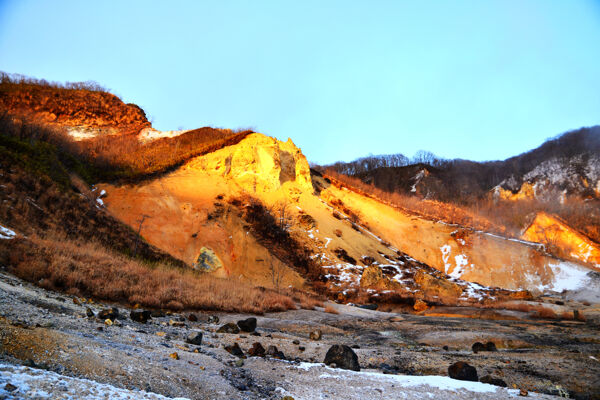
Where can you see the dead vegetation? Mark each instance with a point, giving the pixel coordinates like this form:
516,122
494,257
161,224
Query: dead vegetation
86,268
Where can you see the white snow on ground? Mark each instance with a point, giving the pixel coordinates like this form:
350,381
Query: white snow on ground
568,276
100,202
40,384
150,134
434,381
81,133
6,233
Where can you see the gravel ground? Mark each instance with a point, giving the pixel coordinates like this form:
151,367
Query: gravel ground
49,332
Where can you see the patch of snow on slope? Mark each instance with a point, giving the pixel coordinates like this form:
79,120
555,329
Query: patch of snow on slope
6,233
81,133
40,384
445,249
461,262
150,134
568,276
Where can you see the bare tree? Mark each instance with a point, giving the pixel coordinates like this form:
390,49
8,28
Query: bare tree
277,272
137,238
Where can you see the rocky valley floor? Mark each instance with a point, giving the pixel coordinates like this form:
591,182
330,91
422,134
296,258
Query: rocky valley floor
50,348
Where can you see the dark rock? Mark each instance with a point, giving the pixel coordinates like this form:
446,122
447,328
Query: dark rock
316,335
9,387
213,319
490,346
158,314
109,313
343,356
194,338
255,334
355,346
368,306
477,347
295,341
301,348
462,371
192,318
388,369
140,316
257,350
229,327
273,352
247,325
235,350
493,381
89,313
445,348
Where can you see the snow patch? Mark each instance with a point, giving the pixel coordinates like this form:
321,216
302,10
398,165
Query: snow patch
149,134
6,233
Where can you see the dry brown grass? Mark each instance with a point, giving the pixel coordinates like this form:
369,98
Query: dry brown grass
305,300
329,309
87,269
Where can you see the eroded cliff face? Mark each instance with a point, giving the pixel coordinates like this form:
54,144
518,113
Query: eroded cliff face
562,240
259,164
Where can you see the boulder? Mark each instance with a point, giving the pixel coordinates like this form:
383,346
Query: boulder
247,325
140,316
213,319
316,334
109,313
257,350
463,372
490,346
192,318
438,288
343,357
194,338
207,261
229,327
89,313
477,347
273,352
235,350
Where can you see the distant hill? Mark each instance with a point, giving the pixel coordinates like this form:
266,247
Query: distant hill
569,162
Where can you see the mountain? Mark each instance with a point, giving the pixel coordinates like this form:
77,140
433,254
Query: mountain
246,206
566,165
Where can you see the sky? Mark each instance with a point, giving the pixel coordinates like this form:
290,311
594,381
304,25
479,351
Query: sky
479,80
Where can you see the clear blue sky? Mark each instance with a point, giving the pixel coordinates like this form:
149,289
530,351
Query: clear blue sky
471,79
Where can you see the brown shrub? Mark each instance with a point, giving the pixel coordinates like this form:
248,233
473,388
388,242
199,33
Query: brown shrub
329,309
88,269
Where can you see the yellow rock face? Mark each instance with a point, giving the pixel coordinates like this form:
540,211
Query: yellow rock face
526,192
562,240
258,164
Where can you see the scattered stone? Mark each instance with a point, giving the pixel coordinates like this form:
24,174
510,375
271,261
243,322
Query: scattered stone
255,334
247,325
194,338
463,372
76,301
523,393
140,316
235,350
160,334
343,357
108,322
490,346
109,313
316,335
157,314
368,306
445,348
89,313
213,319
273,352
493,381
477,347
192,318
229,327
9,387
178,324
174,356
116,322
388,369
301,348
355,346
100,328
239,363
420,305
257,350
295,341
